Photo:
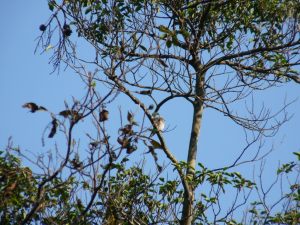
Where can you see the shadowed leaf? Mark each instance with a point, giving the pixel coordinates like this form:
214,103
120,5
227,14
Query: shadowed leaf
95,143
131,149
67,113
151,107
53,130
145,92
163,62
144,48
104,115
153,153
129,117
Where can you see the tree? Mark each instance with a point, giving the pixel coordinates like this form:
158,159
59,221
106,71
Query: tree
210,53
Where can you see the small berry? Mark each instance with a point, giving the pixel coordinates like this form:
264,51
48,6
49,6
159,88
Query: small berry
43,27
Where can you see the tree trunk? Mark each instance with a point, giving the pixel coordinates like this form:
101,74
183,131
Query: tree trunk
187,211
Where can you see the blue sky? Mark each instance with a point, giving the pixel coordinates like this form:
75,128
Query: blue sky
25,77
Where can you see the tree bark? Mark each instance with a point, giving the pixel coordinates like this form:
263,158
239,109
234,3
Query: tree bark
187,210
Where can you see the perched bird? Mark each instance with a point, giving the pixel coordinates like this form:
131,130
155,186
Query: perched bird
160,123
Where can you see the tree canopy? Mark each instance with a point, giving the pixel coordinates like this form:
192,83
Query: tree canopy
210,53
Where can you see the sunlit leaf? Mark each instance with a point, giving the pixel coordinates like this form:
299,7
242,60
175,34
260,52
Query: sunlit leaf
125,160
163,36
135,123
156,144
164,29
49,47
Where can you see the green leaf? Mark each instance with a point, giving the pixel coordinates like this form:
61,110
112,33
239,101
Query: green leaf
293,71
51,5
89,9
87,3
238,175
200,164
162,179
148,92
184,33
112,166
94,84
175,40
229,45
163,36
145,143
154,114
135,39
164,29
169,44
296,153
182,14
156,144
143,48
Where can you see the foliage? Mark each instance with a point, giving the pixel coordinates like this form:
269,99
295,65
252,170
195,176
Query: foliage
134,198
211,53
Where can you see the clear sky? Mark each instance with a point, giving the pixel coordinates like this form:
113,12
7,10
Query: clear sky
25,77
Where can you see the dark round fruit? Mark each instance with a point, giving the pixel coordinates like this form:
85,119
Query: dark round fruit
43,27
67,30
